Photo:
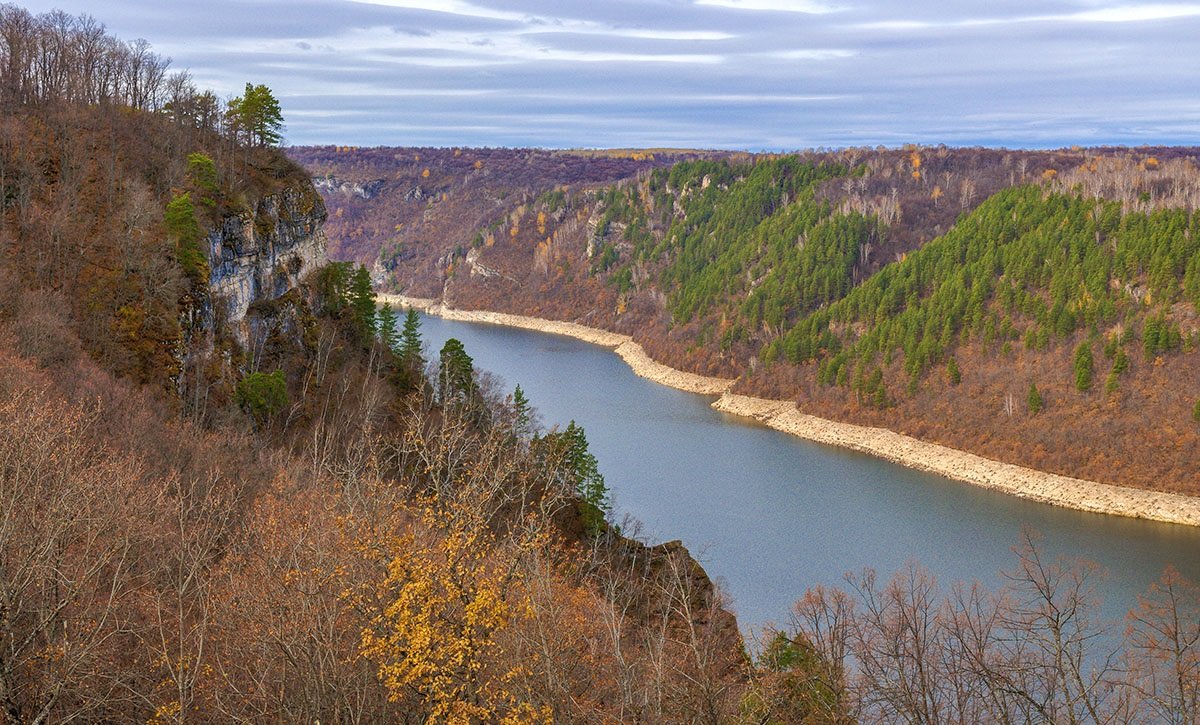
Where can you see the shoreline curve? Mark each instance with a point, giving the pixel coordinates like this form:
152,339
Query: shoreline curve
631,352
1027,483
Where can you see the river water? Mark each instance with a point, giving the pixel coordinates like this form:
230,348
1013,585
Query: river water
768,514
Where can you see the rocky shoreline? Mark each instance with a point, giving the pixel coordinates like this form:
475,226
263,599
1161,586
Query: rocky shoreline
958,465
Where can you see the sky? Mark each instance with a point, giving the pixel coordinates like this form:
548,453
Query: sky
731,74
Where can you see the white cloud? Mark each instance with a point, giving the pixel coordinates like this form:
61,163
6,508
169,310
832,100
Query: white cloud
813,54
585,28
450,7
1111,14
1135,13
451,49
811,7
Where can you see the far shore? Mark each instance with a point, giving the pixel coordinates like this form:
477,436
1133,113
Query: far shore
905,450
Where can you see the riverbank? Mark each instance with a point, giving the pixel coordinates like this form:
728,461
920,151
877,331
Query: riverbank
631,352
901,449
959,465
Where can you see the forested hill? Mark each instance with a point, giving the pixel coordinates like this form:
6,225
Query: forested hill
1035,307
234,490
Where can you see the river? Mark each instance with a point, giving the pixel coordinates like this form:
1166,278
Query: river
768,514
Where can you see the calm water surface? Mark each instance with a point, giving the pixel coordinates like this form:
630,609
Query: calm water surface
769,514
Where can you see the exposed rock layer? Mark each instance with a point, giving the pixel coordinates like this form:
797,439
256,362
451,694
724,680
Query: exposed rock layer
261,256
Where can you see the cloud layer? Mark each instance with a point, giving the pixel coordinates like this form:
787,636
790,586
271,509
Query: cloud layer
751,74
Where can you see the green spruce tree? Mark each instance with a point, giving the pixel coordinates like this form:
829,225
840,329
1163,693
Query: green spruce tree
456,374
388,334
1034,400
181,223
1083,366
410,340
1120,361
952,372
362,303
522,413
585,474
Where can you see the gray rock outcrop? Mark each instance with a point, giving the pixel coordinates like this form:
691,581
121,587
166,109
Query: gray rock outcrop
261,256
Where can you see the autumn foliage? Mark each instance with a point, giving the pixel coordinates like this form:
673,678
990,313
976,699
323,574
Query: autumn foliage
323,528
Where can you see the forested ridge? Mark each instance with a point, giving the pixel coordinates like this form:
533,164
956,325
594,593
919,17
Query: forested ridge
933,291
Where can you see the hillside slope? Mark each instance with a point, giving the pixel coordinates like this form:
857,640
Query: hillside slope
954,295
229,494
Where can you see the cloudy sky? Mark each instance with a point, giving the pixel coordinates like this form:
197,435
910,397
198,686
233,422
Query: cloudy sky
750,74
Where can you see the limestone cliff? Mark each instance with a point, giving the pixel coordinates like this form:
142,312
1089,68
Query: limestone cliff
363,190
259,256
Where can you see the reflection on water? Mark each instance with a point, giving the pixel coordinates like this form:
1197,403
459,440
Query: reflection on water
769,514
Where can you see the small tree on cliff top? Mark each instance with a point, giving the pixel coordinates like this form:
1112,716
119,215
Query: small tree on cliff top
255,116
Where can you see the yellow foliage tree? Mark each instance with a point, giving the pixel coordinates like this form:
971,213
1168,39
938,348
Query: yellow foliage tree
541,222
446,600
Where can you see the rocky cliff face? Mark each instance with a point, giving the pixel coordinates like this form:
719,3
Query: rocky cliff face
260,256
363,190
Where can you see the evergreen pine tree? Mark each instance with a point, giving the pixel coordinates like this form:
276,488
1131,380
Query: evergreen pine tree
522,415
388,334
1083,366
256,116
410,340
589,483
181,223
408,350
456,373
1034,400
1120,361
362,303
332,282
952,371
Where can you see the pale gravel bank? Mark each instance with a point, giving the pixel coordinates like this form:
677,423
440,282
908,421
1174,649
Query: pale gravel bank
631,352
962,466
959,465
